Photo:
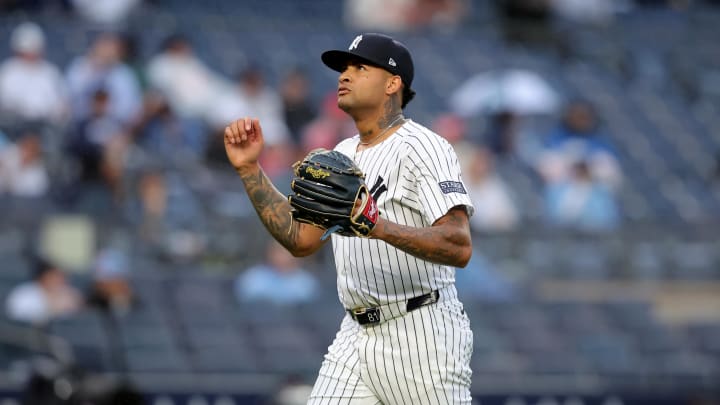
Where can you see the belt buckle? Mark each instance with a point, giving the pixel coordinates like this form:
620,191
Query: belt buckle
365,316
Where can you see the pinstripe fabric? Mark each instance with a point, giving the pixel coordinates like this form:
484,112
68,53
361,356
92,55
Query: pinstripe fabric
422,357
339,380
411,163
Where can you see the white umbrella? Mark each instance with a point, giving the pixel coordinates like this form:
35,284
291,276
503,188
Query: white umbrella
516,90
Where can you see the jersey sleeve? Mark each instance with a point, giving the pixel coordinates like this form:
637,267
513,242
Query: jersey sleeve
438,179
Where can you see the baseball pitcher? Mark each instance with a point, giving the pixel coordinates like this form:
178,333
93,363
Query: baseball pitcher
393,202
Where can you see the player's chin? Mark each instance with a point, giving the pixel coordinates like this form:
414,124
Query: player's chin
344,103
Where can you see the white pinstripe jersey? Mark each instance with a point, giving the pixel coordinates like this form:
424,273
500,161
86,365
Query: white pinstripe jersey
415,176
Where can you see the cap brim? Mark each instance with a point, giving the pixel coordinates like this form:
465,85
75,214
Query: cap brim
337,60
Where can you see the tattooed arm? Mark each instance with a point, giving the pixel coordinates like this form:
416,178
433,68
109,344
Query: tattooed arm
273,209
447,241
243,144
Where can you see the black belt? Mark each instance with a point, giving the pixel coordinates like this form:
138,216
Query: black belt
372,315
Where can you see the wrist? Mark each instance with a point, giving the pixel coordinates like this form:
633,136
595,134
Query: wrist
379,228
247,169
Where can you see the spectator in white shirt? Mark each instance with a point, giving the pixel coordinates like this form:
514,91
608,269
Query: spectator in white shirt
106,12
47,296
31,88
22,170
187,82
252,97
495,209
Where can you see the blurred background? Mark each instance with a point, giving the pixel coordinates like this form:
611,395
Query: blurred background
134,270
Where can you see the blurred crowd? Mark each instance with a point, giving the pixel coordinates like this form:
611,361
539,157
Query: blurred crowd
132,140
110,128
108,133
76,135
49,295
111,134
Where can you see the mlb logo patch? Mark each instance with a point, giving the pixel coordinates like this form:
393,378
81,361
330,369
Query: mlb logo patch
448,187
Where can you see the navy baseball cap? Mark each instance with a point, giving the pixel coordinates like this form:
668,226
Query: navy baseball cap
377,49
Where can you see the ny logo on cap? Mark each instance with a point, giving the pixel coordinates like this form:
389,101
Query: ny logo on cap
355,42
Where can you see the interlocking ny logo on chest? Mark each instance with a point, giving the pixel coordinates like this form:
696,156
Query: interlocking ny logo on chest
378,188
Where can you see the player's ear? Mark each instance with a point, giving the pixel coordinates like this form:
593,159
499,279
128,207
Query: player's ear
394,85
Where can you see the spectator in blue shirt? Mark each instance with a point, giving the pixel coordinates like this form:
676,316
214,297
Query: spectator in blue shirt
581,202
480,280
280,280
578,137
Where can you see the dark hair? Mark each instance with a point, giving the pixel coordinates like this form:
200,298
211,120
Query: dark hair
100,94
251,71
41,266
131,46
174,40
407,95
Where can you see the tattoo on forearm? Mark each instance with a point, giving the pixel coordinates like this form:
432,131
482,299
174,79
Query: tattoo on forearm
272,207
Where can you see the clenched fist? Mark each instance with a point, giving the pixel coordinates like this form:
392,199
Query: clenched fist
243,142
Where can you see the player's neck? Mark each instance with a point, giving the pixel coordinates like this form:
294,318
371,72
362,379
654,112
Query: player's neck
374,128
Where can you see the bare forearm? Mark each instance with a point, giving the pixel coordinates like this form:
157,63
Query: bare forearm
437,244
272,207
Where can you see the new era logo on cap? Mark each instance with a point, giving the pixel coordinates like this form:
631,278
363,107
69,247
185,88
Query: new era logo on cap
391,62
